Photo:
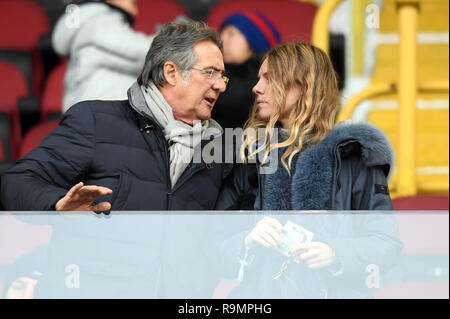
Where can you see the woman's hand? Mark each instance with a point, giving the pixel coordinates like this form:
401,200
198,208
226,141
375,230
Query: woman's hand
315,254
267,233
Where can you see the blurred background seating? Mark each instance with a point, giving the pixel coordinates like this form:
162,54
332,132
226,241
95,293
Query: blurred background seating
154,13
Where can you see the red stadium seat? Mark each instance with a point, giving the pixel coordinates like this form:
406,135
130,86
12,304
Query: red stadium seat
22,23
52,97
12,86
424,271
153,13
36,135
424,233
421,202
293,19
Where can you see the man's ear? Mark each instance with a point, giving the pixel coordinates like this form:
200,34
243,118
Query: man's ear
171,73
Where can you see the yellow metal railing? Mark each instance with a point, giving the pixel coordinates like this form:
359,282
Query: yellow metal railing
368,93
408,14
321,36
380,89
407,86
358,27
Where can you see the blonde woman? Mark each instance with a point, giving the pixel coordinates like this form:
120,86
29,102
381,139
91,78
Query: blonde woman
320,167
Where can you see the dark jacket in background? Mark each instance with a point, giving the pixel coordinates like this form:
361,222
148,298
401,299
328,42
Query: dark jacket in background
233,107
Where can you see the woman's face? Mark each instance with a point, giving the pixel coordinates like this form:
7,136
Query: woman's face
265,100
236,49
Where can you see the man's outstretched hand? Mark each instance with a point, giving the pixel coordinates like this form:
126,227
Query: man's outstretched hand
81,197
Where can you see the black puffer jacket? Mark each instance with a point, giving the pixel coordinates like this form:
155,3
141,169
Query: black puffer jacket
109,144
130,255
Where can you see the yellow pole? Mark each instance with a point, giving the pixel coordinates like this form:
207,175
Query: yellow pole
320,36
358,12
407,93
372,91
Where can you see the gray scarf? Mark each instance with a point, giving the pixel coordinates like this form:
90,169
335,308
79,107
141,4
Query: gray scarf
181,137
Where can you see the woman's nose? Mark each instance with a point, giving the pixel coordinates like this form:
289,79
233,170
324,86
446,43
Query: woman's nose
257,89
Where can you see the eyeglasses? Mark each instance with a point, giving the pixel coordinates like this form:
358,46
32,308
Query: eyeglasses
215,75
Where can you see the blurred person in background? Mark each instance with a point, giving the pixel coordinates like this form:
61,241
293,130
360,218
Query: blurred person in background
246,37
105,54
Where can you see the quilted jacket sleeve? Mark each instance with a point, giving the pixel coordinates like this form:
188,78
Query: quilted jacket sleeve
44,175
371,238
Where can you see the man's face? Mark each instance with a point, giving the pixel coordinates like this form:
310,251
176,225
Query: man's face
196,100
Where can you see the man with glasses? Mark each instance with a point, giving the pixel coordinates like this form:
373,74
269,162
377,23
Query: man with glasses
137,154
102,149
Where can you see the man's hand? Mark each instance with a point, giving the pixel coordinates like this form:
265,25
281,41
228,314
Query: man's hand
81,197
317,254
266,233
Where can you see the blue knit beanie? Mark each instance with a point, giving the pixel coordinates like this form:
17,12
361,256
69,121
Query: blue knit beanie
260,33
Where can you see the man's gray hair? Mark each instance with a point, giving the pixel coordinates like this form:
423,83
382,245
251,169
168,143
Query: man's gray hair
175,42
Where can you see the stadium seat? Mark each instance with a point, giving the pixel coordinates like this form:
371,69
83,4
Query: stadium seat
12,87
421,202
153,13
20,237
36,135
293,19
432,115
52,96
22,24
53,8
422,271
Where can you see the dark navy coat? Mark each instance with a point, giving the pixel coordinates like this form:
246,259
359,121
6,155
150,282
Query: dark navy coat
109,144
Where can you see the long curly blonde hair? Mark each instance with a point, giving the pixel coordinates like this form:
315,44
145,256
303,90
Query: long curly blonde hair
312,116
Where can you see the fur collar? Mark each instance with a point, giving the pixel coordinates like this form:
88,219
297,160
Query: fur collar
311,184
